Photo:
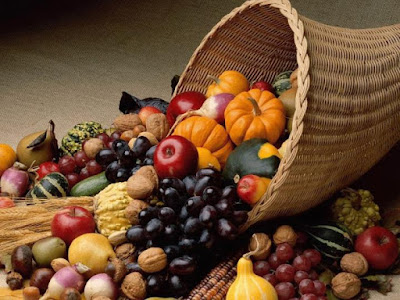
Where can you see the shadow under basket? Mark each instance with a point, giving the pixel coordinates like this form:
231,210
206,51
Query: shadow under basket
347,103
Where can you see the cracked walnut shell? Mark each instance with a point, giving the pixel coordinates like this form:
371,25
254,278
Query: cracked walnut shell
354,263
152,260
285,234
346,285
134,286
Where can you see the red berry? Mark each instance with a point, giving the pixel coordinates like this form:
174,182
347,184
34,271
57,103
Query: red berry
274,261
271,278
309,297
284,252
261,267
104,137
93,167
81,158
84,173
302,263
306,286
322,298
313,275
285,290
73,179
67,164
285,273
115,135
300,275
313,255
320,288
302,238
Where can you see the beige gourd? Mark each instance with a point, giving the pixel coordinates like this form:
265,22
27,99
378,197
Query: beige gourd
248,285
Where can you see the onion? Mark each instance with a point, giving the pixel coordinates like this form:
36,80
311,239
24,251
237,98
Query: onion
67,277
101,285
213,108
15,180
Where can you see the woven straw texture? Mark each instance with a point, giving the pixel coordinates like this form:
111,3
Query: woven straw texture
347,103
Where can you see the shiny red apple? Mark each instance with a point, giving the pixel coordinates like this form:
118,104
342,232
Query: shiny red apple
183,102
71,222
175,156
379,247
262,85
147,111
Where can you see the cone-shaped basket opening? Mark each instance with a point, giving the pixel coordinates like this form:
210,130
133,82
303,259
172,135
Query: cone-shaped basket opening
259,39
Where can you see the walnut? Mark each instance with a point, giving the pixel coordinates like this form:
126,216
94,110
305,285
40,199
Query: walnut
125,251
134,286
133,209
59,263
158,125
116,269
14,280
126,122
142,184
152,260
92,147
261,243
285,234
354,263
346,285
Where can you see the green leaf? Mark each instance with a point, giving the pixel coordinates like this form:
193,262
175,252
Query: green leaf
380,283
330,295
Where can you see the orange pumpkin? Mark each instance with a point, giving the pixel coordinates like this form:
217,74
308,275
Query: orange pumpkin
7,157
255,114
232,82
207,133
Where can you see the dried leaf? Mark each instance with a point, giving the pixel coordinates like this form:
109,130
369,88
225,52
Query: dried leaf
380,283
36,142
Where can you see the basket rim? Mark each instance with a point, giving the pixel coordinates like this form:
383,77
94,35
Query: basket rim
303,62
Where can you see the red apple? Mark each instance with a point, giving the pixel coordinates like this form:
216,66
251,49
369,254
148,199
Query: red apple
175,156
251,188
6,202
183,102
262,85
71,222
147,111
379,247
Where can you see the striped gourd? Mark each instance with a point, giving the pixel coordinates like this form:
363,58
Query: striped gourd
331,239
53,185
282,82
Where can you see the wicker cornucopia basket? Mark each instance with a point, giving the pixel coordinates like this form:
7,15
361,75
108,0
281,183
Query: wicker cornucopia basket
347,103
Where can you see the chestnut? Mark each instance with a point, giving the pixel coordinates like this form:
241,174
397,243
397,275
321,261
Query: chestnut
41,278
21,260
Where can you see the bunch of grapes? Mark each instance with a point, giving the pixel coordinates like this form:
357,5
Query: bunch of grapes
120,161
292,275
199,217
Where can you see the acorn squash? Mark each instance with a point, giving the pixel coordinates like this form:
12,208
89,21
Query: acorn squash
282,82
53,185
254,156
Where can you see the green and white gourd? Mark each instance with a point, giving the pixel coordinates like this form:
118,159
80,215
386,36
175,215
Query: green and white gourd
333,241
282,82
53,185
72,142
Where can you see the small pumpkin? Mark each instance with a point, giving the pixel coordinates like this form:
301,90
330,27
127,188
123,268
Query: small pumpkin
255,156
8,157
207,160
248,285
232,82
207,133
255,114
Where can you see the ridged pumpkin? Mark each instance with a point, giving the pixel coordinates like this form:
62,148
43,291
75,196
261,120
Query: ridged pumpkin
207,133
255,114
232,82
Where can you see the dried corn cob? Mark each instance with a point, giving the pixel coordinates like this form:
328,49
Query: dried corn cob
217,282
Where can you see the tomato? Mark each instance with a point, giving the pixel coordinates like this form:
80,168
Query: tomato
47,168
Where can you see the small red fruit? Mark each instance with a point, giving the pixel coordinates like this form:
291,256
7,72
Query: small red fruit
71,222
183,102
6,202
175,156
251,188
263,86
147,111
379,247
47,168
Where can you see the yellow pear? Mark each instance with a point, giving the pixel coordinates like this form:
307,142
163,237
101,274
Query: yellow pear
93,250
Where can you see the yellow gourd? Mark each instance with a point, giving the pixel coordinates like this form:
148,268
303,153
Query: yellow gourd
248,285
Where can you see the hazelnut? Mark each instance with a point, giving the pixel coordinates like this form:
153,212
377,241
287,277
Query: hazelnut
125,251
346,285
133,209
59,263
116,269
117,238
138,129
152,260
31,293
92,147
261,244
14,280
158,125
354,263
285,234
134,286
